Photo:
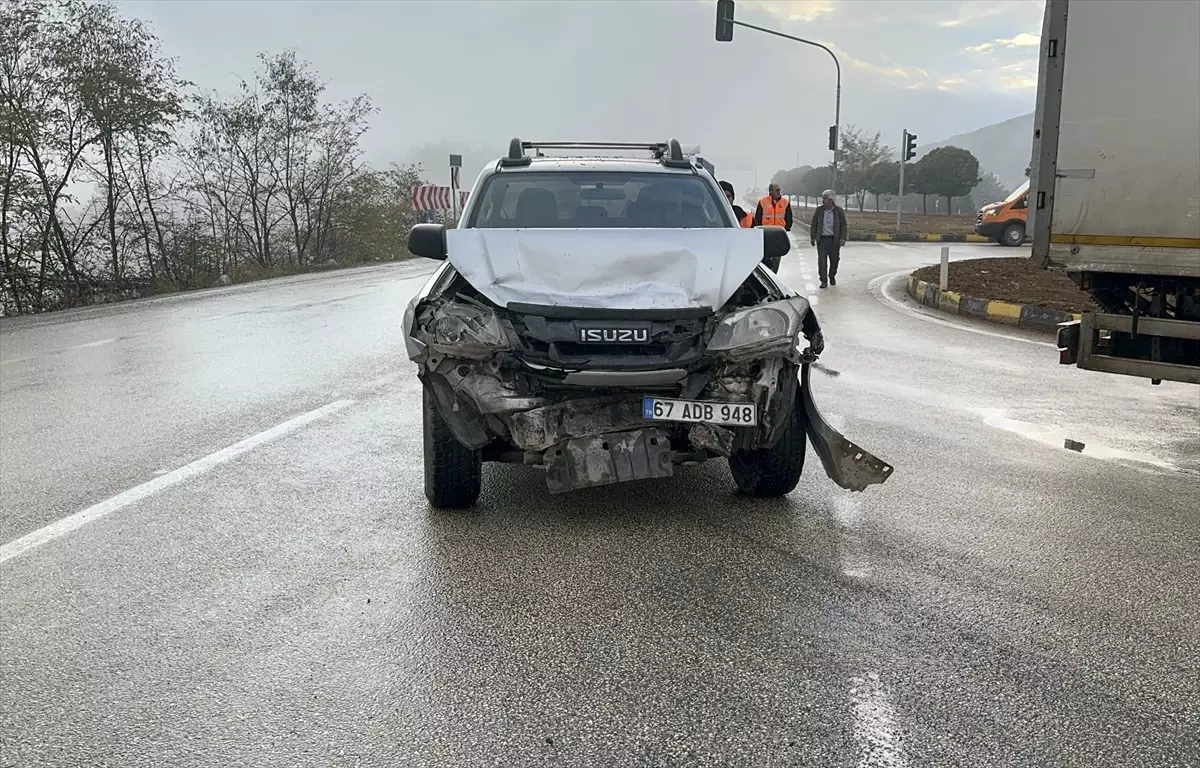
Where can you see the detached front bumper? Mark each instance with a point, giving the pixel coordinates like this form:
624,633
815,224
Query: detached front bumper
848,465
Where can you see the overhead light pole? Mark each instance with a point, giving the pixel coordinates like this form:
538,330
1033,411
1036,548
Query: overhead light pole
725,25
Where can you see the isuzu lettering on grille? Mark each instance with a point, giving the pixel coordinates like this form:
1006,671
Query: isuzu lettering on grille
614,335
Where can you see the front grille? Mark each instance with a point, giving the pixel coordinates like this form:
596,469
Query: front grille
555,342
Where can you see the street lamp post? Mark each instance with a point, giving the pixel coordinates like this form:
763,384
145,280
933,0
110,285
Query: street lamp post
725,24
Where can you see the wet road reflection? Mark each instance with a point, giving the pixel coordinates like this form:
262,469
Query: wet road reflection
1000,601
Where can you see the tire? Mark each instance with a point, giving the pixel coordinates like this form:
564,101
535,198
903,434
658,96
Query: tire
1013,235
453,472
773,472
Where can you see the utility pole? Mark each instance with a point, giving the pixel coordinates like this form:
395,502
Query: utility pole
725,25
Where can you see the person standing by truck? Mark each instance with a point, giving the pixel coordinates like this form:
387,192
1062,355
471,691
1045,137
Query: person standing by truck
827,232
774,210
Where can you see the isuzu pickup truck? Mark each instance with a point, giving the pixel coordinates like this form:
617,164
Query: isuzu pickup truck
606,319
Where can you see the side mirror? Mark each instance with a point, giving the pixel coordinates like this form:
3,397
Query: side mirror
428,241
776,243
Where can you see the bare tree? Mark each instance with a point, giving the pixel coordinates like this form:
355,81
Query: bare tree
114,181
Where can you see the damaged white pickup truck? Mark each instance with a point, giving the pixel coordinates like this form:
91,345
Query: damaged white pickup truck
605,319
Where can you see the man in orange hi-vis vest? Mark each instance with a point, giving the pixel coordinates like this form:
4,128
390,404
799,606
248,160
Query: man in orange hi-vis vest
774,210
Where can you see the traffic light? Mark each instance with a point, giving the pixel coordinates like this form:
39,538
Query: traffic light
724,21
833,137
910,146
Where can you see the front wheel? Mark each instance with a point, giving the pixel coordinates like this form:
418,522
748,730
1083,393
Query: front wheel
769,473
453,472
1014,235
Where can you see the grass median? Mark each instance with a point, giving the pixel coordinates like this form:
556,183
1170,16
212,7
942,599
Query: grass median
911,223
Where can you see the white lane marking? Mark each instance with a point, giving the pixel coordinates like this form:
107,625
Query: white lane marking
889,246
137,493
849,514
91,344
814,299
875,287
875,724
810,287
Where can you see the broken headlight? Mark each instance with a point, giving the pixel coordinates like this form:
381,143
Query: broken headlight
466,324
765,324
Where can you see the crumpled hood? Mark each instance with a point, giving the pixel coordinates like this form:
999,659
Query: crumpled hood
606,268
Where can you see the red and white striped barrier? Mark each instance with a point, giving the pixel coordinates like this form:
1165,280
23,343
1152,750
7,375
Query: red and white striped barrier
431,198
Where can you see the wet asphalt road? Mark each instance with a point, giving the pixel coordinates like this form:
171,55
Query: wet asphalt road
999,602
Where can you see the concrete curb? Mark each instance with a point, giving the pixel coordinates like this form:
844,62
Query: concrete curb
1021,315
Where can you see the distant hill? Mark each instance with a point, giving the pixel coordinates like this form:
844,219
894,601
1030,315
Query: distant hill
1002,148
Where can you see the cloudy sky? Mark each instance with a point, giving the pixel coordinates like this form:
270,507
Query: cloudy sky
473,73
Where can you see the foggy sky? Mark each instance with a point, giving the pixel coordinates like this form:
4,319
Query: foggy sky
474,73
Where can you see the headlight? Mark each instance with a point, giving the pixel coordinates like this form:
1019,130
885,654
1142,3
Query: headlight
759,325
994,212
465,324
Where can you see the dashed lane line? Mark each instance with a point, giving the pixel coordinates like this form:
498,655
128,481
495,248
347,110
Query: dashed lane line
198,467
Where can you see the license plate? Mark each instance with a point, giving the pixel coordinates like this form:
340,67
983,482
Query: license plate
697,412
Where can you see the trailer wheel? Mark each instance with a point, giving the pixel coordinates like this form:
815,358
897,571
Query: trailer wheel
1014,235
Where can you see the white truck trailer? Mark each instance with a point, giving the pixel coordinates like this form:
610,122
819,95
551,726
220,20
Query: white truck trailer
1115,177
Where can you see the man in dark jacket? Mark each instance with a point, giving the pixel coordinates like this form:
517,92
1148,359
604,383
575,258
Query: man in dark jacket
743,218
828,233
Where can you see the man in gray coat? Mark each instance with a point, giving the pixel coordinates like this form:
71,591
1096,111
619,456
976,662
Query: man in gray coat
828,233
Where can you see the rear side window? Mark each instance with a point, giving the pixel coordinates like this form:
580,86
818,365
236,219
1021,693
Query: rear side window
597,199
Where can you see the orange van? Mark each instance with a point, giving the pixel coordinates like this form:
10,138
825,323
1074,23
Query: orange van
1005,222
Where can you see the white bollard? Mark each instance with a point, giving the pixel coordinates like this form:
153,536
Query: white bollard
945,281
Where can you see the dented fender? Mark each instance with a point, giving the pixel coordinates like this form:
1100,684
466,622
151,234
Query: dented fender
848,465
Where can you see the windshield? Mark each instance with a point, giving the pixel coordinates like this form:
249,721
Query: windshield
1018,192
598,199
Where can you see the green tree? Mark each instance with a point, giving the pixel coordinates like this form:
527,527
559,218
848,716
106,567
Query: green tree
882,179
816,181
948,172
791,180
374,213
859,153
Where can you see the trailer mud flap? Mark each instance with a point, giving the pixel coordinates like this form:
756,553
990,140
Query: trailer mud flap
846,464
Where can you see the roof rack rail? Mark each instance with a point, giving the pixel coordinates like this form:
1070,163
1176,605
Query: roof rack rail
669,152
